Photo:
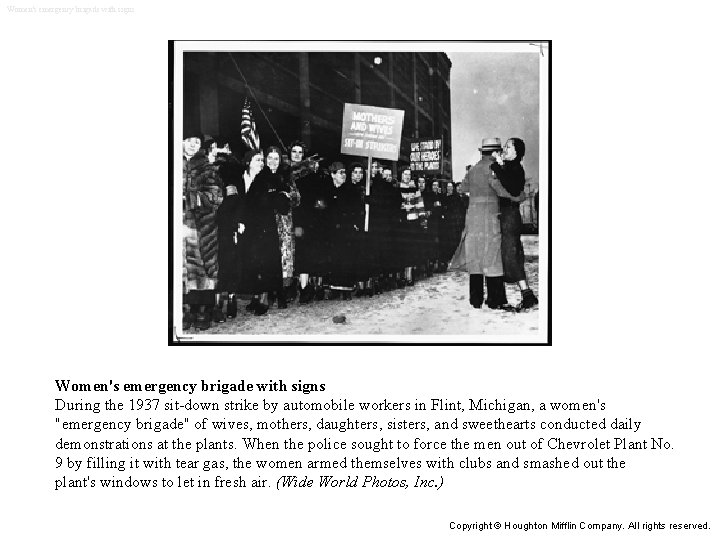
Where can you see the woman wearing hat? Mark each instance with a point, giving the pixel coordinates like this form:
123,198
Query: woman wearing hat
479,250
309,222
509,183
344,211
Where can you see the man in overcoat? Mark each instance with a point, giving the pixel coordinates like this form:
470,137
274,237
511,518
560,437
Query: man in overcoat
480,246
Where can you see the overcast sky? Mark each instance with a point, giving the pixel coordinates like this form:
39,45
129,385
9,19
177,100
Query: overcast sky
493,95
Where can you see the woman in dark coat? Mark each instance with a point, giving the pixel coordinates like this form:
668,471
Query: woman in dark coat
385,218
372,263
344,211
425,240
453,222
265,195
230,256
364,259
510,176
432,199
309,219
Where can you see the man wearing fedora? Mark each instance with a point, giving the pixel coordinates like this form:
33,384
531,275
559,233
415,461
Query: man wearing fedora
479,251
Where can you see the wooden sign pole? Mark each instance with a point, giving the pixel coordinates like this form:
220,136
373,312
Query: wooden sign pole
367,194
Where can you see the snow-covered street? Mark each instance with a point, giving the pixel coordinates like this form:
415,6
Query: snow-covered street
433,306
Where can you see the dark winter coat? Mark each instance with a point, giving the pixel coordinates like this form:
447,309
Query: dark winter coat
311,217
365,248
262,269
344,236
452,225
386,217
434,208
230,256
512,177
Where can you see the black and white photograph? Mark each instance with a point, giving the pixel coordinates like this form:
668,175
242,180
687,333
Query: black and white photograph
360,192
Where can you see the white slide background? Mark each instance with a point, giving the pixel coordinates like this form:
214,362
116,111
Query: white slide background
634,124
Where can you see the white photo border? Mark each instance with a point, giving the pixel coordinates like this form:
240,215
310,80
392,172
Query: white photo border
540,47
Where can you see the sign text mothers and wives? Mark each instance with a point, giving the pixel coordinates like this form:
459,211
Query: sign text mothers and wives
371,131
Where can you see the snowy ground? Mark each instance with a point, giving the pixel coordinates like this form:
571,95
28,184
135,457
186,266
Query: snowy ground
434,306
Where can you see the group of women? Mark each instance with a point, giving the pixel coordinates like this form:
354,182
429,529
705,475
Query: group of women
278,229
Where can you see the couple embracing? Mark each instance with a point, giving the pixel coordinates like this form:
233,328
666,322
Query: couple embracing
491,249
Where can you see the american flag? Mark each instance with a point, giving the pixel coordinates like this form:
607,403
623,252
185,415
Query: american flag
247,128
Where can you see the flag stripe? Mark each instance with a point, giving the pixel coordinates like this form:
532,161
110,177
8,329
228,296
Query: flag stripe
248,130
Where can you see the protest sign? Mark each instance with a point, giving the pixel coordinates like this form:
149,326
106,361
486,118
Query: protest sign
426,155
371,131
